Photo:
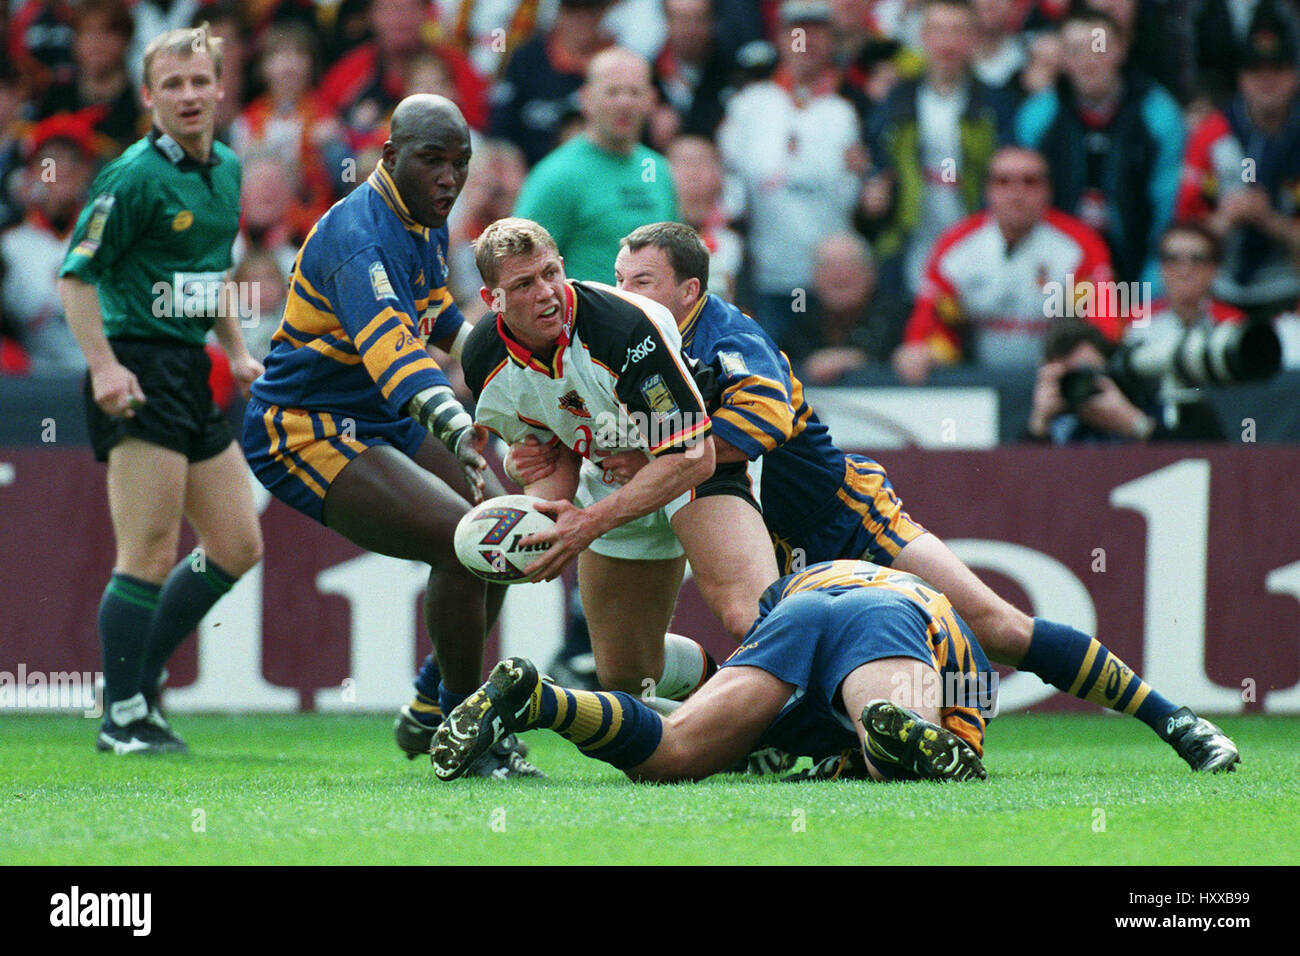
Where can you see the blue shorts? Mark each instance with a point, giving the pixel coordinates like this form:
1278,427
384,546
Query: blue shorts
865,519
296,454
815,639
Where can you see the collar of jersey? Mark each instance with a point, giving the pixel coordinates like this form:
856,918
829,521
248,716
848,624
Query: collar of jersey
526,359
687,328
381,182
175,152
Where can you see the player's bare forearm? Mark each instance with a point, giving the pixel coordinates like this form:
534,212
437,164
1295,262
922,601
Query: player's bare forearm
226,328
85,321
562,483
659,482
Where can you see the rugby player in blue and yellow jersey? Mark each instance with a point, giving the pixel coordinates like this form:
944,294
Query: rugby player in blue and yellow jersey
866,670
822,504
354,424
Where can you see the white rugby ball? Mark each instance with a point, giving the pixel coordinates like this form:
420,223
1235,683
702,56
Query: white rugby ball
488,538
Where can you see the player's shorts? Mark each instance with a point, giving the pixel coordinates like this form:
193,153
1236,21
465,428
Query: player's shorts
865,520
296,454
815,639
178,412
651,537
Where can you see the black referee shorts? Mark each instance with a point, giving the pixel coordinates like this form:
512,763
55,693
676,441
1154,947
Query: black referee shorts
178,412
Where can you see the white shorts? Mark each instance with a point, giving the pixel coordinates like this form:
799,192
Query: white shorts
648,538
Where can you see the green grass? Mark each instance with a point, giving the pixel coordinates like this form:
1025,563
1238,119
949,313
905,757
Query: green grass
309,789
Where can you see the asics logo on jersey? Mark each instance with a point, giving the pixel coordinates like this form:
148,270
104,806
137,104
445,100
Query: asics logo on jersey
637,352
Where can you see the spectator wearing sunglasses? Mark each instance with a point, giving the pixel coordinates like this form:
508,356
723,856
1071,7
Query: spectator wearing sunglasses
996,280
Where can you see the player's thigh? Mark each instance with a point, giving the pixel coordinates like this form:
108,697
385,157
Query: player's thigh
146,493
628,605
1002,629
731,557
907,681
718,726
434,457
219,506
386,503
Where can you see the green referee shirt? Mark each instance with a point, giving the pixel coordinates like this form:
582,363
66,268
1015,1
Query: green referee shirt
156,238
588,199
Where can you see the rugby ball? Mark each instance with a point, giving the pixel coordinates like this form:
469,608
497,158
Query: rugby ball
488,538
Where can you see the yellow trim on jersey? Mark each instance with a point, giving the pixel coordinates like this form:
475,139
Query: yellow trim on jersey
297,428
383,184
330,351
683,436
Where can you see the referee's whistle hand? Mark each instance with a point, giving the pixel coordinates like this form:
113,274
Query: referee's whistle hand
117,391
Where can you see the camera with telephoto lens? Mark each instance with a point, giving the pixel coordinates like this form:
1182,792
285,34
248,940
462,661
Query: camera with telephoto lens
1225,354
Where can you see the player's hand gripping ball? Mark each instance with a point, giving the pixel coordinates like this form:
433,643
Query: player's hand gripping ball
488,539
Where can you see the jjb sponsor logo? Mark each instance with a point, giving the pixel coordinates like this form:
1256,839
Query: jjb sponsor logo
77,909
637,352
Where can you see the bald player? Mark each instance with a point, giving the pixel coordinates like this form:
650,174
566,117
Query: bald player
356,426
603,183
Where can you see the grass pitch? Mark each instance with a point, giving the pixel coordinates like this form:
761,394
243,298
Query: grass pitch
311,789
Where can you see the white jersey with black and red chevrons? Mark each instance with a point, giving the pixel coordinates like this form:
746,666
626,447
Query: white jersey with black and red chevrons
998,301
616,381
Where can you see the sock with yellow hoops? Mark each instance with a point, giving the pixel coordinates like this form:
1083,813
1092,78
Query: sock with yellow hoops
609,725
1081,665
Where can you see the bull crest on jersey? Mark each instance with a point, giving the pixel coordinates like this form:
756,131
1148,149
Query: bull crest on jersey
571,401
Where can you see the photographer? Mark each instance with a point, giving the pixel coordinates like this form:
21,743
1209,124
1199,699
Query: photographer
1075,401
1080,398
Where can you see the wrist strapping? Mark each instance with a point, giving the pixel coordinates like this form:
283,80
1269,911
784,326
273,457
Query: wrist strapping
438,410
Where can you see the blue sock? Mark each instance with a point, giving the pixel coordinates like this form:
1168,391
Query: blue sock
425,707
1082,666
126,612
613,727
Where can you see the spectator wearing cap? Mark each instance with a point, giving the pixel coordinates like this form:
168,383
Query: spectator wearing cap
995,280
101,85
61,156
1222,31
540,85
1113,142
793,143
1260,222
600,185
39,43
930,147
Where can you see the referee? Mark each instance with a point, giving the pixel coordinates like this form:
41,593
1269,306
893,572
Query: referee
142,285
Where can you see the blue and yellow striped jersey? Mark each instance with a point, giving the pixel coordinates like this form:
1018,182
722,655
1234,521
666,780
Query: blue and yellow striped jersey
368,291
820,503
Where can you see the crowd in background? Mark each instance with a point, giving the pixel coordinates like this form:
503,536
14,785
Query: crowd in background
905,182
